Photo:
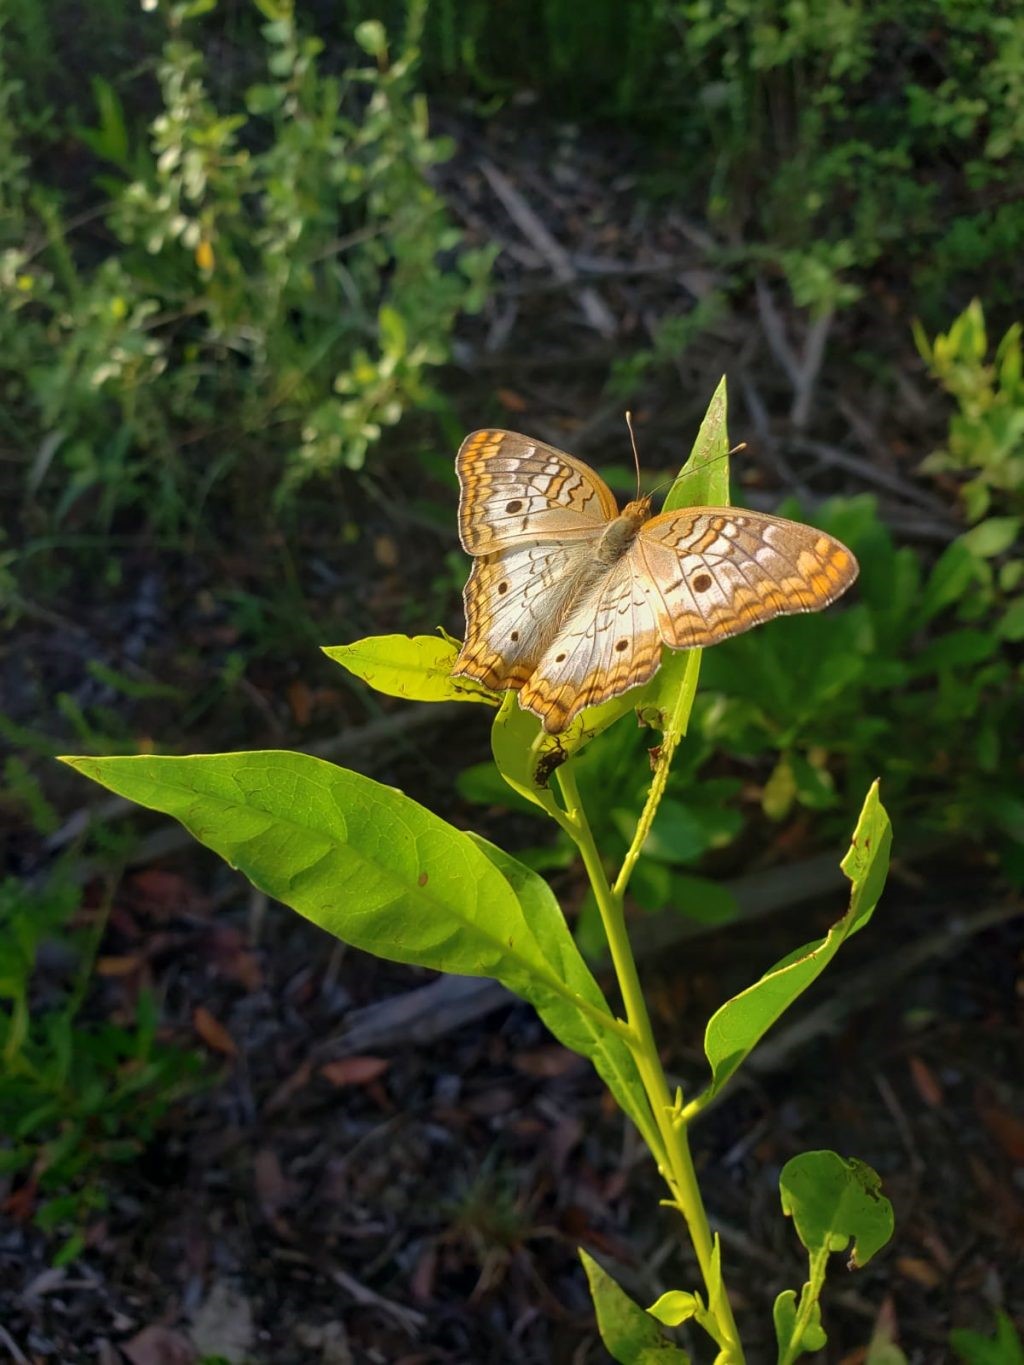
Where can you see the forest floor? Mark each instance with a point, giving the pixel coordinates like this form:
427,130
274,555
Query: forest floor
396,1186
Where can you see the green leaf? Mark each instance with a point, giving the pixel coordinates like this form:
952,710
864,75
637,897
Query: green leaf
784,1312
578,1030
675,1307
704,479
991,537
360,859
1003,1349
954,572
833,1200
1011,624
671,691
741,1022
416,667
516,744
632,1336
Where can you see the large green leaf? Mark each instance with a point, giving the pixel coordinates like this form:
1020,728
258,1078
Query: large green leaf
742,1021
631,1335
577,1029
833,1200
416,667
360,859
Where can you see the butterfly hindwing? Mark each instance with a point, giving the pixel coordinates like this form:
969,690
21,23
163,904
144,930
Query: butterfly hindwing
609,643
514,601
516,491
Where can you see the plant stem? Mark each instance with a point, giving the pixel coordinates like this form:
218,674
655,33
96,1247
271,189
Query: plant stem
675,1161
809,1296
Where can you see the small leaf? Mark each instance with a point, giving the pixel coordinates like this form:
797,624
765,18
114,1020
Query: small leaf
416,667
675,1307
704,479
812,1338
831,1200
632,1336
992,536
742,1021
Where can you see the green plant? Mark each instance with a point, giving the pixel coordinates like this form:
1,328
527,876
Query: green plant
385,874
1005,1348
285,279
75,1095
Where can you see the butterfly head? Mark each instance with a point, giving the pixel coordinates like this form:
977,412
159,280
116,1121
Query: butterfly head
635,513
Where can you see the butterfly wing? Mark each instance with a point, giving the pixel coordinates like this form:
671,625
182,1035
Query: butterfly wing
517,491
514,602
609,643
717,571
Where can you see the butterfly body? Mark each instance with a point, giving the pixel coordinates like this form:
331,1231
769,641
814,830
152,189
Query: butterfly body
570,601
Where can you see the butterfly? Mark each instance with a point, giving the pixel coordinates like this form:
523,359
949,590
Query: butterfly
570,601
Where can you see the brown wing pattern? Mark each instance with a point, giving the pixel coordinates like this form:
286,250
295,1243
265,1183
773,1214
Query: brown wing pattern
609,643
516,491
718,571
514,603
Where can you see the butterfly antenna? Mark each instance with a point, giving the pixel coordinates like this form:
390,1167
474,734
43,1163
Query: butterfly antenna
636,454
684,473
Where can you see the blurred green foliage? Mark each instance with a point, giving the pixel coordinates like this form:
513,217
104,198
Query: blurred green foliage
825,136
279,279
75,1095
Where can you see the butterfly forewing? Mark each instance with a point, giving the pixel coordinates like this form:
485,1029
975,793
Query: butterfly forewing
718,571
516,491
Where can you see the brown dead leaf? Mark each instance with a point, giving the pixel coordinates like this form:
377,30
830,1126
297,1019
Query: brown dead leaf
22,1203
919,1270
159,1346
300,699
161,895
926,1082
385,552
233,957
273,1190
511,401
212,1032
421,1282
120,965
1006,1128
354,1070
548,1062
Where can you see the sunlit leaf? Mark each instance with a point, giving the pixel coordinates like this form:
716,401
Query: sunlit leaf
742,1021
631,1335
576,1029
675,1307
415,667
833,1200
364,862
704,480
